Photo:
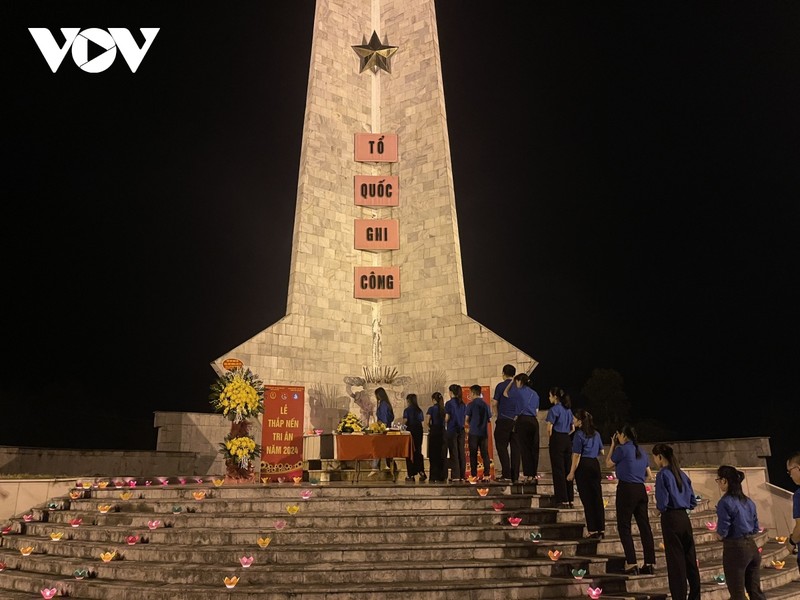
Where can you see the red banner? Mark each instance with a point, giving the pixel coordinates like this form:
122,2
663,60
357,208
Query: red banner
282,432
487,397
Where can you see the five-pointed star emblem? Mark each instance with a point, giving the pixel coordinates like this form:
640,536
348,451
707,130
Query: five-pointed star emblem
375,55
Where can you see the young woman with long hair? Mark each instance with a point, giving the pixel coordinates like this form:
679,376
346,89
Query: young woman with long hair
633,468
559,427
737,523
454,413
412,419
434,422
675,496
385,414
585,471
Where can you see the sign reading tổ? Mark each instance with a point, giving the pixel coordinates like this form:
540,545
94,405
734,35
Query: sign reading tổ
376,147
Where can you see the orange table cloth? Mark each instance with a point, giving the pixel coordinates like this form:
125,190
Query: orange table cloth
372,446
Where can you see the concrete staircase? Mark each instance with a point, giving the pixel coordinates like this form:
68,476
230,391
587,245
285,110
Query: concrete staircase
338,540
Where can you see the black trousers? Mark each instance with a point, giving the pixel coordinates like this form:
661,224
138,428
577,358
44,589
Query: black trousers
416,464
478,442
458,457
505,438
436,453
560,449
587,478
741,563
632,503
528,436
679,550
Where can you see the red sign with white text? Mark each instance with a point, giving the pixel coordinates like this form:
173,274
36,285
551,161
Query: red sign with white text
282,432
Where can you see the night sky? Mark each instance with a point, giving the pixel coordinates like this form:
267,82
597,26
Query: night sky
632,166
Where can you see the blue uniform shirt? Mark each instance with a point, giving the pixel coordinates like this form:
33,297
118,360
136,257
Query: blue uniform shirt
385,414
456,412
479,414
506,406
437,418
413,417
588,447
736,519
526,399
669,496
560,417
629,468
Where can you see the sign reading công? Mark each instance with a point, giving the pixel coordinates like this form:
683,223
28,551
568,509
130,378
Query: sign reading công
377,282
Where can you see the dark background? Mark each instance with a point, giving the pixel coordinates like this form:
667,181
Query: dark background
643,156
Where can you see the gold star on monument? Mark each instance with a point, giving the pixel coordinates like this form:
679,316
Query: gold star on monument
375,55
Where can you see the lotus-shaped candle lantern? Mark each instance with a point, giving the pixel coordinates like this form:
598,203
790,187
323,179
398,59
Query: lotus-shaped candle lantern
26,551
661,546
760,550
182,480
648,488
162,480
264,542
2,566
176,510
473,480
246,561
292,509
594,593
483,491
198,480
75,494
610,477
198,495
104,508
80,573
514,521
219,481
76,522
719,579
87,485
711,525
48,593
102,484
131,540
154,524
319,431
118,483
605,502
554,554
52,506
761,530
6,530
306,494
56,536
125,495
498,506
297,480
781,539
578,573
778,564
148,483
535,537
108,556
265,480
279,524
230,582
27,518
281,479
313,480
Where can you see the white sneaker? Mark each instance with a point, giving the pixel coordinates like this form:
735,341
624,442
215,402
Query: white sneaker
372,473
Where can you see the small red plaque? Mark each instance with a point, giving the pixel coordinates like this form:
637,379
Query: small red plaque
230,364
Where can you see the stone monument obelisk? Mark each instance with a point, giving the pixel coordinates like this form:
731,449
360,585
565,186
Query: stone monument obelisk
376,288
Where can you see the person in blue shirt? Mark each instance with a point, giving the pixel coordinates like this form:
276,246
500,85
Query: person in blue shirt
527,426
437,451
476,419
385,414
560,425
793,469
412,419
505,410
587,445
737,523
454,410
632,467
675,496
